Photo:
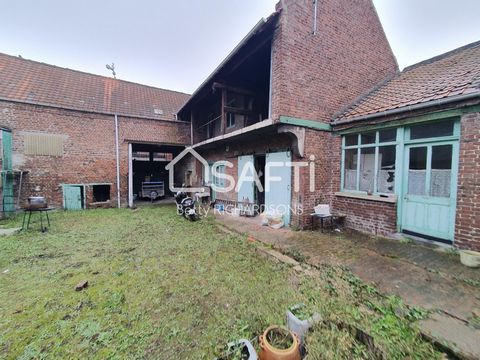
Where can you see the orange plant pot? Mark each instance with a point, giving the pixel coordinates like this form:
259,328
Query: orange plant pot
268,352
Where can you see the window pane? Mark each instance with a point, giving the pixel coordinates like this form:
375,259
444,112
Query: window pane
388,135
440,179
436,129
386,169
367,169
350,175
417,171
368,138
351,140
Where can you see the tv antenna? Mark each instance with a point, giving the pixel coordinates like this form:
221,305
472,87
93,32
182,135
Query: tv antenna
112,69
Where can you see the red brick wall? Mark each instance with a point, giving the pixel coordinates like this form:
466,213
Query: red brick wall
89,148
374,217
467,227
319,147
314,76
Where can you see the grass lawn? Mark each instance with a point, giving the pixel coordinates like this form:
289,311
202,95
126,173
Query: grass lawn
161,287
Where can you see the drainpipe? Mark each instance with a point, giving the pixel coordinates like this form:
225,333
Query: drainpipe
117,152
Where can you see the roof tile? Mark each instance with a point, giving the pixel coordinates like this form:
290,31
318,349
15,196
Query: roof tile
31,81
454,73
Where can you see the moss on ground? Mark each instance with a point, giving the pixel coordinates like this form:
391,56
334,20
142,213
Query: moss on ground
161,287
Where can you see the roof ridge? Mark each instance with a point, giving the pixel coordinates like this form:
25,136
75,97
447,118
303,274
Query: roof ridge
442,56
91,74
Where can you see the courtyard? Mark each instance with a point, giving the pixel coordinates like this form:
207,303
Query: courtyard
162,287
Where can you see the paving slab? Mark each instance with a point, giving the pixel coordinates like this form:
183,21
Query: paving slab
422,276
8,232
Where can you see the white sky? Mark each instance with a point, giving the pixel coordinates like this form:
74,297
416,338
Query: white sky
176,44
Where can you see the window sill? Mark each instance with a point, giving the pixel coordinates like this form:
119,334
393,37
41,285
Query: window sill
392,199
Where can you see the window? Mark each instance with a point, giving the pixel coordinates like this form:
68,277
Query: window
369,161
219,182
43,144
101,193
141,156
158,156
430,130
230,120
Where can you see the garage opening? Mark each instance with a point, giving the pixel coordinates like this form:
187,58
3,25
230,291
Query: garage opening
149,180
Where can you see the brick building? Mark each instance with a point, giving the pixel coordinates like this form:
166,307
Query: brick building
59,132
316,83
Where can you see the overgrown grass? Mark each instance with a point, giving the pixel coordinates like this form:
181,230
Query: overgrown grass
161,287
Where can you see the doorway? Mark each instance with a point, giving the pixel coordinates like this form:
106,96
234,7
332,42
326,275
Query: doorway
429,188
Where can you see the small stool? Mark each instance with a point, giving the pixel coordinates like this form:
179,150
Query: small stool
335,220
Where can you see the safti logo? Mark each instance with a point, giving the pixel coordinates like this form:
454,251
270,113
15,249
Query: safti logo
248,174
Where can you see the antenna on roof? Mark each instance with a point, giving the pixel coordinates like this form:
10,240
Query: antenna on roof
112,68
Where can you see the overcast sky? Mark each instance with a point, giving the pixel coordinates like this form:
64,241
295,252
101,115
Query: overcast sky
176,44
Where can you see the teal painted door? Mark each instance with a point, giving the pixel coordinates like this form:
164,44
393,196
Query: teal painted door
8,200
246,189
429,189
72,197
278,193
219,182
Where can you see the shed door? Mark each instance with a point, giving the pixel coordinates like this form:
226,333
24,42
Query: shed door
246,189
430,190
8,201
278,196
72,197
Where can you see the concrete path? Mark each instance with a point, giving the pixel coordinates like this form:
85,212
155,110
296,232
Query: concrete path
421,275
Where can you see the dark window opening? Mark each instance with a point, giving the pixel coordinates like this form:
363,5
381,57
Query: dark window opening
101,193
436,129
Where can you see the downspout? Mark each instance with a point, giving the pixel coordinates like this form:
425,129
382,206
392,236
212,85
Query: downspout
117,152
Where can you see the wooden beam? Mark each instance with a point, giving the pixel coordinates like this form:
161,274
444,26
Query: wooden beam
191,128
223,121
238,90
238,110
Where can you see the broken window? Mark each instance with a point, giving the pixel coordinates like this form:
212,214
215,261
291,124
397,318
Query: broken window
369,161
101,193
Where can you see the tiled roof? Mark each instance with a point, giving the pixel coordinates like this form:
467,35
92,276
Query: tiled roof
449,75
39,83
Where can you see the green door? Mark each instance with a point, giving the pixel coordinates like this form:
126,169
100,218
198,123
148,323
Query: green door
72,196
429,190
278,193
8,200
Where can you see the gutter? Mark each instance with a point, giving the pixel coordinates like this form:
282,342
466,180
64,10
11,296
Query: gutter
400,110
117,153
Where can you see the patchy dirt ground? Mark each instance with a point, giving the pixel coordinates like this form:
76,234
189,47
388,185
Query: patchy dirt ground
161,287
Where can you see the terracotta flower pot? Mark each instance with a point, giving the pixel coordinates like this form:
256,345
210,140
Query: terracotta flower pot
269,352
